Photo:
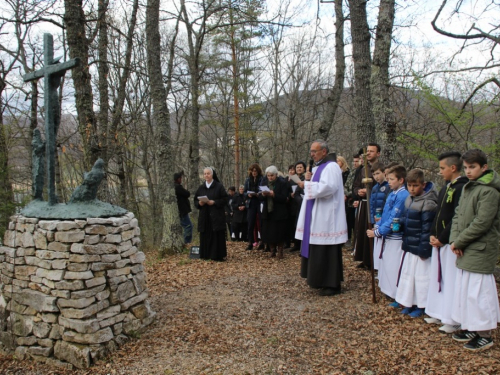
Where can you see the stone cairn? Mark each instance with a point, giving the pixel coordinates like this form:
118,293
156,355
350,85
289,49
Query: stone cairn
72,290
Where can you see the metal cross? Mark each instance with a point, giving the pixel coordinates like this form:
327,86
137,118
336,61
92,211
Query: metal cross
52,72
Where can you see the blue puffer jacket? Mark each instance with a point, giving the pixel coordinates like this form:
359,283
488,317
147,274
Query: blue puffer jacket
417,222
394,207
378,197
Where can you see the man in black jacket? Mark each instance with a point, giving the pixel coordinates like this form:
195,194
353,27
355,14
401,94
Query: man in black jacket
184,207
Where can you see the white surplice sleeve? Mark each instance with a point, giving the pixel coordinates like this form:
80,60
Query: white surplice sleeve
329,183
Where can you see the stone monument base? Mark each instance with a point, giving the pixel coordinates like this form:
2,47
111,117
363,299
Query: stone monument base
71,291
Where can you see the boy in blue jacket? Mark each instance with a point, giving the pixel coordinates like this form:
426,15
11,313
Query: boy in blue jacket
388,229
378,197
414,272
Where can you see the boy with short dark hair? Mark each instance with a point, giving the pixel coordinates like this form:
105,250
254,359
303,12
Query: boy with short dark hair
419,212
378,197
443,269
475,234
388,229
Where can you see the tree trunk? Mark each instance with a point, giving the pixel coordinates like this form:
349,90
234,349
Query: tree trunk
34,107
333,100
7,204
171,229
362,72
194,43
385,124
103,71
113,141
236,108
78,44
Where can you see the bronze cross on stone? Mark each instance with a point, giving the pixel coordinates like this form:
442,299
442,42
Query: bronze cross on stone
52,72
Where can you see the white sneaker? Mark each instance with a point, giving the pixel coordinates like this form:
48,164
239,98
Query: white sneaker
432,321
448,328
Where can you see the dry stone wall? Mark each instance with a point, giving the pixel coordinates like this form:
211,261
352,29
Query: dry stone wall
73,290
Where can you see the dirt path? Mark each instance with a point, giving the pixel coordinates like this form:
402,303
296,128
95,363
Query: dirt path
255,315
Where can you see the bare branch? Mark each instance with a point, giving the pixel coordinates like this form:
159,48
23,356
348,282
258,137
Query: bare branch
479,87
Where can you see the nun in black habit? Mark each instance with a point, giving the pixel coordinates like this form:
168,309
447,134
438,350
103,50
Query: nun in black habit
210,199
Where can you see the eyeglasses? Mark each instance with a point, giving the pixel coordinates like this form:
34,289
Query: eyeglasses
314,151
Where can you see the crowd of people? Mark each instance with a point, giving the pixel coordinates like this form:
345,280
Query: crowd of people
434,253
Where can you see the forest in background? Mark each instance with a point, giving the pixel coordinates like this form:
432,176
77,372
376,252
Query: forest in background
175,85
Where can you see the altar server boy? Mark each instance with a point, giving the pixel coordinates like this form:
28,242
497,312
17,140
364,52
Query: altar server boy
378,197
418,215
389,231
475,234
443,267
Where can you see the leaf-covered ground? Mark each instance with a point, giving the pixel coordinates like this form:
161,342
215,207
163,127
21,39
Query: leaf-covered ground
255,315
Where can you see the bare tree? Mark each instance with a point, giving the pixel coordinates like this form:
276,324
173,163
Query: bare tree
333,100
380,84
171,234
79,44
197,28
479,32
362,71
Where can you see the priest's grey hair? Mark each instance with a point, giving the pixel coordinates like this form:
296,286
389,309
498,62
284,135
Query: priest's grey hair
322,144
272,169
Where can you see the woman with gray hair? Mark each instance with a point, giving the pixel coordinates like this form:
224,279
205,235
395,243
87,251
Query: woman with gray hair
211,199
274,212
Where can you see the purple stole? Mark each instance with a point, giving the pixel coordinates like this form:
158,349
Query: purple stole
304,249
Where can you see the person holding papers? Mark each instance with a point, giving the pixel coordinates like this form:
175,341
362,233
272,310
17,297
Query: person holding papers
273,195
210,199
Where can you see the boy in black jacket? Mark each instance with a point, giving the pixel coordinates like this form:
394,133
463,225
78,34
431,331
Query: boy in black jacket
443,268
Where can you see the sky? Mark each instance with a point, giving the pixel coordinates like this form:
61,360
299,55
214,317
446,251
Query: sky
414,37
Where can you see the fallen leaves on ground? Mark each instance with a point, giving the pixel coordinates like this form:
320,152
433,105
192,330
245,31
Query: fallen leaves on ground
254,315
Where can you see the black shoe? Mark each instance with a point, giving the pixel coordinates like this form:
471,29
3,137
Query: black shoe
464,336
329,291
287,246
293,248
362,266
261,246
249,247
479,343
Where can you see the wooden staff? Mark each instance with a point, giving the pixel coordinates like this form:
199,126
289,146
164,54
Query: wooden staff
367,181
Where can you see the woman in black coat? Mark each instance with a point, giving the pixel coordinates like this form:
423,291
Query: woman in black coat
239,215
252,183
274,212
212,218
